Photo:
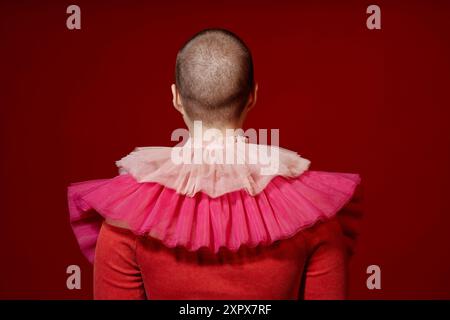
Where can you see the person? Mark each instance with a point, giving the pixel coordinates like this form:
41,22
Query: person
182,223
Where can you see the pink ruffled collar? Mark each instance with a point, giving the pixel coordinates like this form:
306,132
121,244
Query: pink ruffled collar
207,205
215,169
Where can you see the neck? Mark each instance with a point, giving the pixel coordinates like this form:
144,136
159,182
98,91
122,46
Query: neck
224,130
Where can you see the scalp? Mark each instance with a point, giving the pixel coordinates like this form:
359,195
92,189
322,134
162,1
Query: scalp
214,75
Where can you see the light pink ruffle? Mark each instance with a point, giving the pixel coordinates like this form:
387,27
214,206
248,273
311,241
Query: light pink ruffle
154,164
284,207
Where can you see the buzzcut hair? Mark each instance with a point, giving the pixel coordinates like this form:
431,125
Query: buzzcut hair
214,76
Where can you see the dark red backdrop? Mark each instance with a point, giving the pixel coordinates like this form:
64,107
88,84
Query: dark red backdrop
345,97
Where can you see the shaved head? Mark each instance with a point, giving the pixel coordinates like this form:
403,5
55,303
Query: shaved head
214,76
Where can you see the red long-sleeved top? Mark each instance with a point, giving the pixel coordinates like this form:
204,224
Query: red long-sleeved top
309,265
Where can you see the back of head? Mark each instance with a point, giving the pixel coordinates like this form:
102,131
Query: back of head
214,76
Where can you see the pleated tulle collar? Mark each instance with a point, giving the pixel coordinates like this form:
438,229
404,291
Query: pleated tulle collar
214,167
209,204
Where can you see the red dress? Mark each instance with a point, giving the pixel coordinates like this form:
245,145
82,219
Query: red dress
185,231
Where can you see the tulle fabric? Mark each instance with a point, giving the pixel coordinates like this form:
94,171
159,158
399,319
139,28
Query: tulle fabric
258,165
282,208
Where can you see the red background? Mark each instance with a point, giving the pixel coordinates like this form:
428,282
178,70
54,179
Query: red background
347,98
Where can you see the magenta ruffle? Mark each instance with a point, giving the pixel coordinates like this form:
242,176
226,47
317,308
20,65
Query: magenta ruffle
235,219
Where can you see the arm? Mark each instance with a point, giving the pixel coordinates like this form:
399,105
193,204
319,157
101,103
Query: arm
325,274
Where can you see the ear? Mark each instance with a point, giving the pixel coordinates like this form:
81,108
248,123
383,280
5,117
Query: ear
176,100
252,99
